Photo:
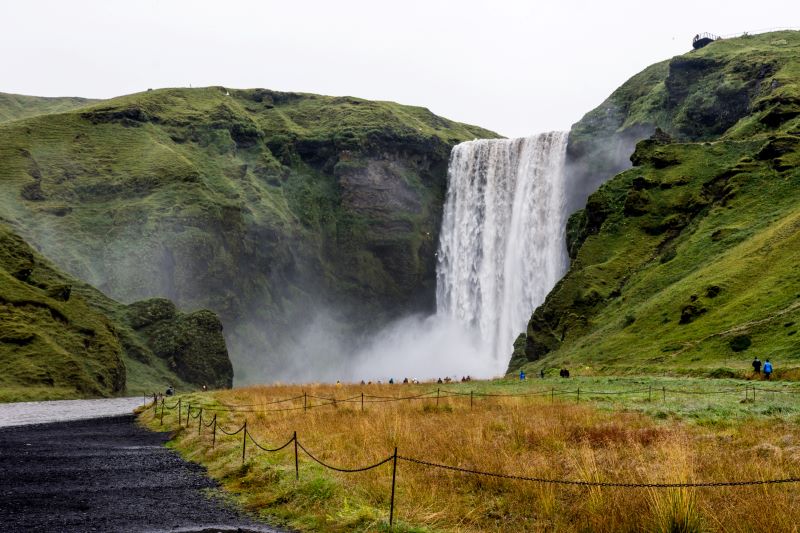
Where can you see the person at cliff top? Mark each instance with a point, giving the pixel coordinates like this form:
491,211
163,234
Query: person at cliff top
767,368
756,365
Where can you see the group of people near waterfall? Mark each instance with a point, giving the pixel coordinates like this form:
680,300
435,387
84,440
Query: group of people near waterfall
564,373
757,367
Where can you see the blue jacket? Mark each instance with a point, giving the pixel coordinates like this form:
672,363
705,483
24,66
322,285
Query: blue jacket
767,367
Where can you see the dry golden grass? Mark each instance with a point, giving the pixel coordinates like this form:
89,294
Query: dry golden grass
521,436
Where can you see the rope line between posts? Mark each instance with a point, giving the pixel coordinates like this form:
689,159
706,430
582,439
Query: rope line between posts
222,429
326,465
210,423
291,440
515,477
599,483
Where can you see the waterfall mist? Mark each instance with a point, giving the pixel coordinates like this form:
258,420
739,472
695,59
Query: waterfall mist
501,249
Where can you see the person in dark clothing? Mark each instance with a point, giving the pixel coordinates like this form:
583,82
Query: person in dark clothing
756,365
541,373
564,373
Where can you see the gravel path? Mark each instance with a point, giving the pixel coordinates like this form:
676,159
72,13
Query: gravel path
105,474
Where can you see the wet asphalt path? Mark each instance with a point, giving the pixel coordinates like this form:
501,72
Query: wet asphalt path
105,474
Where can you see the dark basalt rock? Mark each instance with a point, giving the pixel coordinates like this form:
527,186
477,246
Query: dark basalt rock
690,313
60,292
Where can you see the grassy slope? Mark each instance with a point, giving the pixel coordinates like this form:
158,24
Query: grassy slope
61,338
707,231
253,203
18,106
49,347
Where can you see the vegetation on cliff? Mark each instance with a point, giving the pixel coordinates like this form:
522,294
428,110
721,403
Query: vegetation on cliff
61,338
17,106
268,208
687,262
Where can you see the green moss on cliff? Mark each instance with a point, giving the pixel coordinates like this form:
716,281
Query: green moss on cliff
262,206
698,243
732,88
18,106
60,338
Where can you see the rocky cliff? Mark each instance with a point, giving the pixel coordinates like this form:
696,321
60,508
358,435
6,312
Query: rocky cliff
277,211
61,338
689,257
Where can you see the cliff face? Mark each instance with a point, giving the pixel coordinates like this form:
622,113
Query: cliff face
268,208
699,96
689,257
60,338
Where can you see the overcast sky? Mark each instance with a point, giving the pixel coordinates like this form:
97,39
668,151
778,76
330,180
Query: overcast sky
516,67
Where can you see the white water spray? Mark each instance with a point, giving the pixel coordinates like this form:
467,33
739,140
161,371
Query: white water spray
501,249
502,244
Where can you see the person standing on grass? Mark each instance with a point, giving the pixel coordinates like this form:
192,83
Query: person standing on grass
757,365
522,375
767,368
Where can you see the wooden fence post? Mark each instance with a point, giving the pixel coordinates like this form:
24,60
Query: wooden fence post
244,440
296,462
394,477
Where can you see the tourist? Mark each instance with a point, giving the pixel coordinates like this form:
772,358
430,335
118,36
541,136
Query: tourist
756,365
767,368
522,375
439,381
391,381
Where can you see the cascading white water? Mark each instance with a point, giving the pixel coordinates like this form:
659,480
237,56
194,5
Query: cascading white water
502,243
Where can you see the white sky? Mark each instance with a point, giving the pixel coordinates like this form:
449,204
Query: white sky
515,67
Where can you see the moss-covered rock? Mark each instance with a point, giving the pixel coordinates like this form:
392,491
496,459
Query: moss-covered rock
265,207
60,338
699,241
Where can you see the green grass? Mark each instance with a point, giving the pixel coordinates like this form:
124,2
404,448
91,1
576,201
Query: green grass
695,246
61,338
18,106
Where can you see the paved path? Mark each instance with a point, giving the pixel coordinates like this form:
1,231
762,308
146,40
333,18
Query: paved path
105,474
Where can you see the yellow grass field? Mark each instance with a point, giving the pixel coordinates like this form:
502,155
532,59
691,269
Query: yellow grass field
529,436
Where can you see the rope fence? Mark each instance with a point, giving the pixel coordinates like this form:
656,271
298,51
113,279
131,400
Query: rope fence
395,457
438,394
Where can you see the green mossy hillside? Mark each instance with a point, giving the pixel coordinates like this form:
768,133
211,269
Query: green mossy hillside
19,106
732,89
60,338
687,263
268,208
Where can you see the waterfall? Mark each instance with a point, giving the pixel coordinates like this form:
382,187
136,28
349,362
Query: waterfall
502,243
